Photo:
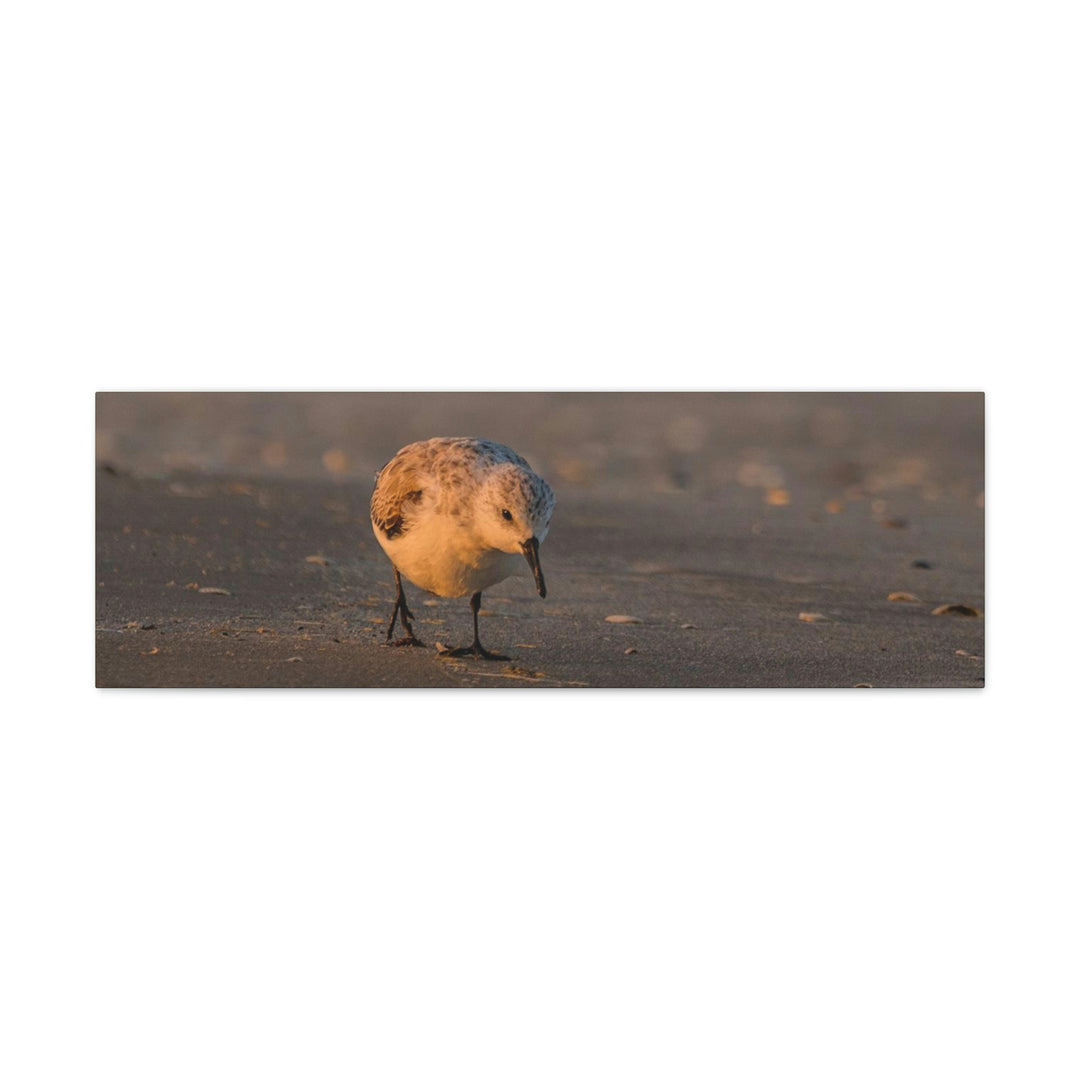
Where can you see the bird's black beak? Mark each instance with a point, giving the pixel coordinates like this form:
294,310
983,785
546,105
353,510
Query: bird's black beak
531,549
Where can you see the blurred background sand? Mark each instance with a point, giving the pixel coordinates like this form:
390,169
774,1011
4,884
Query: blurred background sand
874,442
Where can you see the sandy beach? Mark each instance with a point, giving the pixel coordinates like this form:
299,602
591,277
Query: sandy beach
756,540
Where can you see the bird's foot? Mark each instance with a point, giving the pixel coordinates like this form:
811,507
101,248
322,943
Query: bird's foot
476,650
403,642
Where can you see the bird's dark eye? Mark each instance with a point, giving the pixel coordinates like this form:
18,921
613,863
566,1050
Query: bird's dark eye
508,515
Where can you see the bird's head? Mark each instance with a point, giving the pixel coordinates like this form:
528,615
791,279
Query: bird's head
515,513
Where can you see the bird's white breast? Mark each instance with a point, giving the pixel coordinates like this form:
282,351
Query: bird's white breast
440,553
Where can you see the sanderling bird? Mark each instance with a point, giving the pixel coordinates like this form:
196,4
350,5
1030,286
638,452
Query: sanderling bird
455,515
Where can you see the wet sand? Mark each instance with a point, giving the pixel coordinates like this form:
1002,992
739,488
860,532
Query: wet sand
717,539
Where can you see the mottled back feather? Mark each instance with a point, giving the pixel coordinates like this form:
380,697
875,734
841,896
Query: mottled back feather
401,482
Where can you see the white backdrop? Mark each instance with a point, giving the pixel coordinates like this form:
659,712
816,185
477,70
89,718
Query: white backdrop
492,196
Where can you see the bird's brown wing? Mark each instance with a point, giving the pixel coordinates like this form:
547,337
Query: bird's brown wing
396,487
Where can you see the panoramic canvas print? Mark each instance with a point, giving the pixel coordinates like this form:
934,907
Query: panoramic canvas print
563,540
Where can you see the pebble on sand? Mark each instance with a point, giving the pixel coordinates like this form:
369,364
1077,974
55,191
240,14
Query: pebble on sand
622,619
811,616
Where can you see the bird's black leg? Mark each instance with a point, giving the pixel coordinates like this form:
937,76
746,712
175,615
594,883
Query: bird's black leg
406,617
476,649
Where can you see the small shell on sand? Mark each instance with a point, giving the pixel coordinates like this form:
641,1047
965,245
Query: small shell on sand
956,609
903,597
811,616
622,619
